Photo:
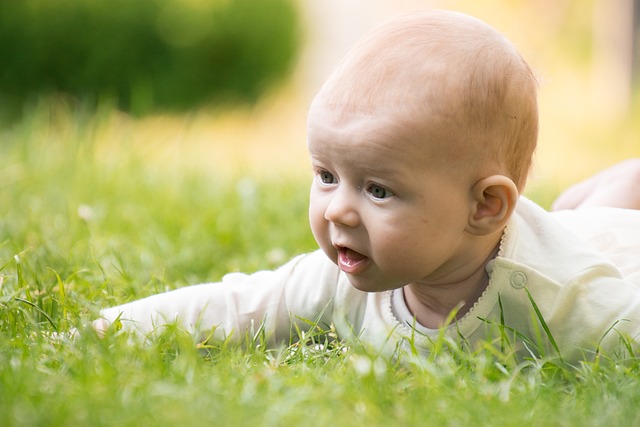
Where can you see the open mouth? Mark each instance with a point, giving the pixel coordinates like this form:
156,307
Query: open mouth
351,261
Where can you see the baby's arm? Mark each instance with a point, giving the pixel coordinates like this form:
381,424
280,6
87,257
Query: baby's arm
303,287
617,186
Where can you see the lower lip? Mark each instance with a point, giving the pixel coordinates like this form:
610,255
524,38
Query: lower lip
350,265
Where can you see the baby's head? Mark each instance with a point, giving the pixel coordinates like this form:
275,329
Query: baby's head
454,81
420,141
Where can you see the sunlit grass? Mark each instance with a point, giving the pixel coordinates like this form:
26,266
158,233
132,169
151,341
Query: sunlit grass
98,208
101,209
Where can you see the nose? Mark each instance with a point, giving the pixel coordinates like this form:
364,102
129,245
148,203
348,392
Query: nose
341,208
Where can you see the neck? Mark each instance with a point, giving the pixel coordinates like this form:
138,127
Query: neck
433,304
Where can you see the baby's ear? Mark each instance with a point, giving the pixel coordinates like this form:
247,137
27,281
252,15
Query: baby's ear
493,201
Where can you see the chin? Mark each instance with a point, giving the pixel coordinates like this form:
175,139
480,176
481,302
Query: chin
364,286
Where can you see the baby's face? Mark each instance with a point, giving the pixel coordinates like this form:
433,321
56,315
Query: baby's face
382,206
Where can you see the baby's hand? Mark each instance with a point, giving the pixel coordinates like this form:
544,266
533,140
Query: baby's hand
100,326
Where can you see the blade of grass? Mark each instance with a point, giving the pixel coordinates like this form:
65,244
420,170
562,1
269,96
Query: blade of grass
543,323
39,310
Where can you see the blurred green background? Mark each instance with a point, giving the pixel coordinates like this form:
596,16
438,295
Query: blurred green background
145,55
229,81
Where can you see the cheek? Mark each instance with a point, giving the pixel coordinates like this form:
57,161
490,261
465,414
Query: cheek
314,210
320,227
320,231
403,240
316,218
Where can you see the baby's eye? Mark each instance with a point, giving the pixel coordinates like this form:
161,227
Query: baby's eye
379,192
326,177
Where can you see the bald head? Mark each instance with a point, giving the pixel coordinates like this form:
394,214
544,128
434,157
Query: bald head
442,71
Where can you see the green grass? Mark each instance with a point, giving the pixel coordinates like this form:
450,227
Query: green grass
81,230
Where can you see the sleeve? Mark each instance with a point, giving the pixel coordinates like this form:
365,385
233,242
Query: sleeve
303,288
594,310
613,232
597,310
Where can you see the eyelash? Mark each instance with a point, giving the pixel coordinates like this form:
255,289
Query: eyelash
326,177
375,190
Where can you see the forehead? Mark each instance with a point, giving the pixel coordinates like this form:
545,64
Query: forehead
366,137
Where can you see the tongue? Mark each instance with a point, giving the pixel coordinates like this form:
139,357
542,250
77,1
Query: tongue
353,255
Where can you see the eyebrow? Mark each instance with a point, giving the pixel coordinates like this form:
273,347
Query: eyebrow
386,167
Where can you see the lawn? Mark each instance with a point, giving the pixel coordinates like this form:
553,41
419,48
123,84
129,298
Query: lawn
99,209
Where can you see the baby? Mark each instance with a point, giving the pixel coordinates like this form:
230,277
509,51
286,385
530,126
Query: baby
421,142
